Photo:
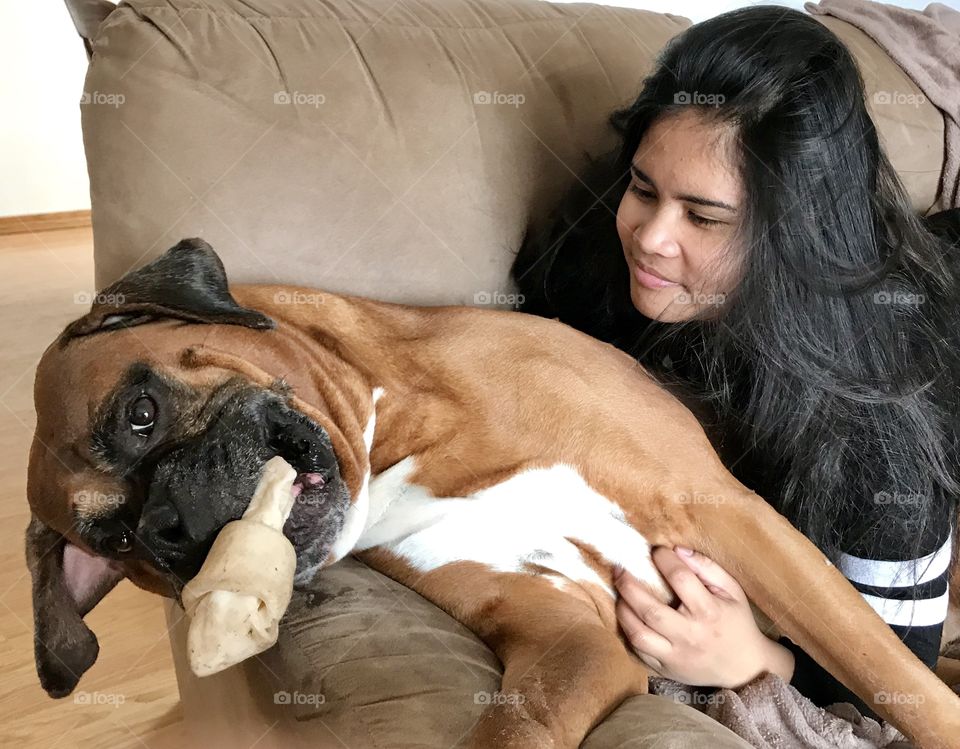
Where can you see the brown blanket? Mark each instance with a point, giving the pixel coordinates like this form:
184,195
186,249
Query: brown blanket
927,46
770,714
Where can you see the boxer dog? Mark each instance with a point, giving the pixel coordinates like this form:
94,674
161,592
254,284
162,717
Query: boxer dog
499,464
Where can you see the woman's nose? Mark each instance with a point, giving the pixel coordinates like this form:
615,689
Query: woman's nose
656,235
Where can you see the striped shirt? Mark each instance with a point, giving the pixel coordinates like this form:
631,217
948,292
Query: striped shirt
906,595
910,595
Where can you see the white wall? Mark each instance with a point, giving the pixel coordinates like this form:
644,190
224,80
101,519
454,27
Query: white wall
699,10
42,168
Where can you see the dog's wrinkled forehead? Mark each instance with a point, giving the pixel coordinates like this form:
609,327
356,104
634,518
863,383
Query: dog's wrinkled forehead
132,320
73,381
81,379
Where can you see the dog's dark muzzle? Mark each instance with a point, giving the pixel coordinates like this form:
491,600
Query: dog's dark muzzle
198,487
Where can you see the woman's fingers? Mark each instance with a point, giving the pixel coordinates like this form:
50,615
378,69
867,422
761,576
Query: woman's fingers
710,639
649,646
650,610
717,579
685,583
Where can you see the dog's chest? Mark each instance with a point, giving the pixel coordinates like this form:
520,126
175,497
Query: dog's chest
536,517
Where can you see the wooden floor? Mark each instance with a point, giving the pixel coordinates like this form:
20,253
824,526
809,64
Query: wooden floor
131,690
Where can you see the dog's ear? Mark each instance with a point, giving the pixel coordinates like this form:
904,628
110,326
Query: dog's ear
187,282
67,584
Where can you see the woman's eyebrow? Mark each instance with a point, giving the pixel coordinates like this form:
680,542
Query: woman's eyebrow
640,175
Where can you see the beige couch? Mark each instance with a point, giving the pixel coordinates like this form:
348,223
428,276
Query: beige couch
396,149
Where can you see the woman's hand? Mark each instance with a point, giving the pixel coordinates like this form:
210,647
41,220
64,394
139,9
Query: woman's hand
712,639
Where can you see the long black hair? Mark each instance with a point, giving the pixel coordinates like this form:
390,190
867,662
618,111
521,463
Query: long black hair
828,381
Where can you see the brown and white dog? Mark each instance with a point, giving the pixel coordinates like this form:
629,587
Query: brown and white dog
499,464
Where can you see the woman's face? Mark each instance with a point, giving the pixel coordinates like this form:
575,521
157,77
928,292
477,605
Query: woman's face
678,218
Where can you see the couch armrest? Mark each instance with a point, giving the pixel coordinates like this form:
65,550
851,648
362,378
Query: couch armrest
363,661
236,707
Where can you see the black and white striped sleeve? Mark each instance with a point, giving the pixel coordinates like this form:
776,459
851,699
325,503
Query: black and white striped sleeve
909,595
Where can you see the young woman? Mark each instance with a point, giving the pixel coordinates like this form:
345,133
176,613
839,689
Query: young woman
751,245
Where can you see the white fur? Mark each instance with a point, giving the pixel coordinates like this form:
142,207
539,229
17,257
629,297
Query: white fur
357,512
523,519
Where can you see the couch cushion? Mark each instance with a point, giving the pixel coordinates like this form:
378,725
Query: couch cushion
288,134
395,671
910,127
651,722
363,146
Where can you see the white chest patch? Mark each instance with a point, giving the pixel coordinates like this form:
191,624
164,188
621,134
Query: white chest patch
356,516
525,519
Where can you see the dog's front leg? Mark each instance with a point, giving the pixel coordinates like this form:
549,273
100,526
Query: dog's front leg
564,669
560,679
565,665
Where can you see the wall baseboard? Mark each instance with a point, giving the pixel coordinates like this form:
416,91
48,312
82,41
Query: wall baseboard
44,222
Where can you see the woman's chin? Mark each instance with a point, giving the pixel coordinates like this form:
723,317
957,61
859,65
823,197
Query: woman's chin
659,304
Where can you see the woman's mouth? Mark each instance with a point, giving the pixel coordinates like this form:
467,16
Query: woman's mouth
649,279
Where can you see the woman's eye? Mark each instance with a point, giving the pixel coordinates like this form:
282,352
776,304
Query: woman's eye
640,192
143,413
701,221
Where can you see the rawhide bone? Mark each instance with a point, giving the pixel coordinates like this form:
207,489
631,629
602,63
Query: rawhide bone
236,600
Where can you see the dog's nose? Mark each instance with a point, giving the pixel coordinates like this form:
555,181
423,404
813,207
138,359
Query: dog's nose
166,537
161,531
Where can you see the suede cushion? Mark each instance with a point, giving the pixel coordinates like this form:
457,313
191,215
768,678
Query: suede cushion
394,150
382,654
911,128
377,666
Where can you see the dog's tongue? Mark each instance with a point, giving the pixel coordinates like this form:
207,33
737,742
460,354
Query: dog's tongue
87,575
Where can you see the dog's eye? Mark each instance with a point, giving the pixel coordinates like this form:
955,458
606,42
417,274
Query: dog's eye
121,543
143,412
